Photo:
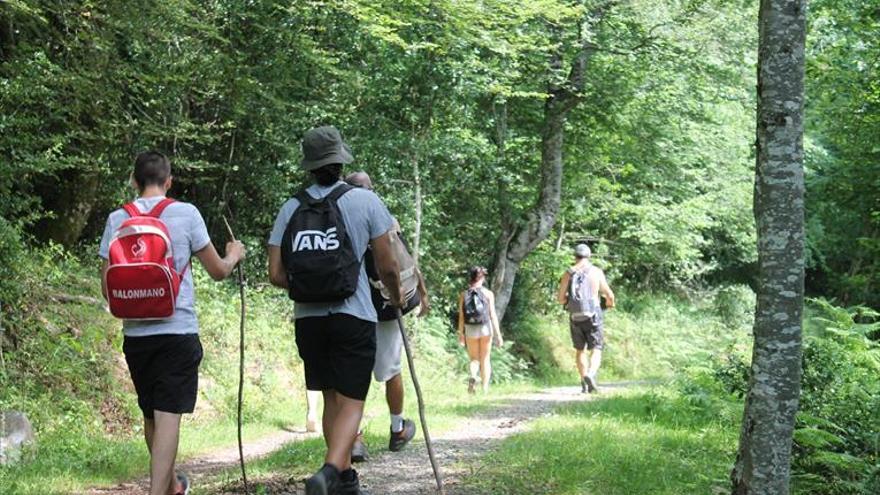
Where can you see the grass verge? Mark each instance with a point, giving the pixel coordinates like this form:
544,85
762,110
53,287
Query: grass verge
643,440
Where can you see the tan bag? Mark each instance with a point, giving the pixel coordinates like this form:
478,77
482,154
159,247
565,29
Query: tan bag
409,277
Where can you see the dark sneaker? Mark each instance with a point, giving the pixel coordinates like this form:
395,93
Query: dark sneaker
184,484
359,449
584,385
400,439
324,482
349,484
591,384
472,385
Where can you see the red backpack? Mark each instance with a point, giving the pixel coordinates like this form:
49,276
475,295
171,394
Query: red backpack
142,283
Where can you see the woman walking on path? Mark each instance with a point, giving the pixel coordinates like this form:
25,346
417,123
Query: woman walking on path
478,326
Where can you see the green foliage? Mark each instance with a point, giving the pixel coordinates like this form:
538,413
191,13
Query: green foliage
835,440
64,368
836,437
843,158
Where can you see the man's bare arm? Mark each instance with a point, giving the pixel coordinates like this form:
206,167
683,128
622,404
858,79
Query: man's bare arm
562,293
388,267
606,292
220,268
104,266
425,305
277,275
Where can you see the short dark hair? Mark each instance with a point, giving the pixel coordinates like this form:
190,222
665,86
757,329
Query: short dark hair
151,168
328,174
474,273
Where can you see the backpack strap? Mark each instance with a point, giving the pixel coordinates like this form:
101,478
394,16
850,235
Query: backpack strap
305,198
337,193
159,208
131,209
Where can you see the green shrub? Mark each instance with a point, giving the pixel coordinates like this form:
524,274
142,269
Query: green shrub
838,427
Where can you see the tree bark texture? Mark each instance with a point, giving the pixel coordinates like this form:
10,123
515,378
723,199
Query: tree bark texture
764,458
520,237
71,197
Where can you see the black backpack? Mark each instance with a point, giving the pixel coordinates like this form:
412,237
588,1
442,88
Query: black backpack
476,307
316,251
384,310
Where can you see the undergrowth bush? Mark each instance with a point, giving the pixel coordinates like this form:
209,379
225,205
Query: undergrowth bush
837,440
837,432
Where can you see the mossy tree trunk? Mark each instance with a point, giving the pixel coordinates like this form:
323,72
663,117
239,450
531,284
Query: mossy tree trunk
764,459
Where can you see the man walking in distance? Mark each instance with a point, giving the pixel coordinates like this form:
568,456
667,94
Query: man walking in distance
163,355
335,320
579,291
388,348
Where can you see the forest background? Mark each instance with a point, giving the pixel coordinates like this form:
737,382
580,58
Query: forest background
499,133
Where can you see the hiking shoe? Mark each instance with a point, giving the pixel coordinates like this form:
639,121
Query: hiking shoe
349,484
584,385
359,449
184,484
591,384
472,385
324,482
400,439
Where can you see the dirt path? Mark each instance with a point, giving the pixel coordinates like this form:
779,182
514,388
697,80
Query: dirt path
403,473
214,462
458,450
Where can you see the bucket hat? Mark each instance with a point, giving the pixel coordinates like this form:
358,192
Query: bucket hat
323,146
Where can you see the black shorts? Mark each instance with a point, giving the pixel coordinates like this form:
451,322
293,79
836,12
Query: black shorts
165,371
588,333
338,351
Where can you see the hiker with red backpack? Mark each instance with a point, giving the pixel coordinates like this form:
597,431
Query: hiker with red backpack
579,291
147,281
478,327
316,252
389,342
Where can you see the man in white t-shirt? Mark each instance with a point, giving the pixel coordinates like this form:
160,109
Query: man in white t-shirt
387,368
163,356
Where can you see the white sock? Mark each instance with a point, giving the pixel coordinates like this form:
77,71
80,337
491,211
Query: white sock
396,423
474,369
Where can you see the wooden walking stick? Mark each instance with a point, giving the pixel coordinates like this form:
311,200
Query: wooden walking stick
412,372
240,363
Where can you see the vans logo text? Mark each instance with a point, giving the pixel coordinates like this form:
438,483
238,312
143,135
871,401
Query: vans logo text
315,240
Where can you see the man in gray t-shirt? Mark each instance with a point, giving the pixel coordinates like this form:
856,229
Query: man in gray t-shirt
163,356
337,340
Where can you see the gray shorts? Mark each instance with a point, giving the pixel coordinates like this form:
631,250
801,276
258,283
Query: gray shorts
588,333
477,331
388,345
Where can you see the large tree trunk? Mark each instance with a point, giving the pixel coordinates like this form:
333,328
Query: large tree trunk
520,237
417,230
70,197
764,458
516,242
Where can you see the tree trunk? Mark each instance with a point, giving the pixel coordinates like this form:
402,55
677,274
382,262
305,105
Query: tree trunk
520,237
417,234
70,197
764,459
515,243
